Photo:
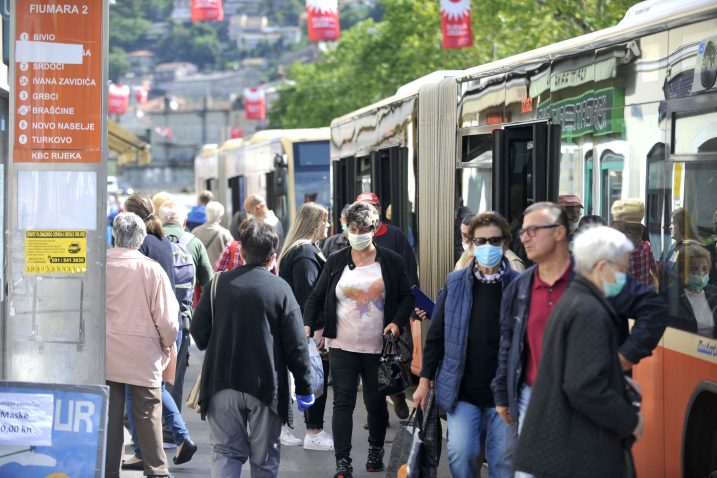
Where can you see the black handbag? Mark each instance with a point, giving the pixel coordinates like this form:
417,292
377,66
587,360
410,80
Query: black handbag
394,369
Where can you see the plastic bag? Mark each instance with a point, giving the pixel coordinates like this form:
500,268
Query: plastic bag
317,370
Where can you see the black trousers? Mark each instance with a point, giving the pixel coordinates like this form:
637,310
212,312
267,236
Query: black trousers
346,367
314,416
177,390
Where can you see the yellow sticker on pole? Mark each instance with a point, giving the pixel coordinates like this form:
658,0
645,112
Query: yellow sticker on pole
48,252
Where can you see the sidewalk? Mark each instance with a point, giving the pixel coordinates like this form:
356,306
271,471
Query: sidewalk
295,461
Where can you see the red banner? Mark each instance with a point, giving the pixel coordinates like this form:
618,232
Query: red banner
140,94
322,19
118,99
254,104
236,132
456,23
207,10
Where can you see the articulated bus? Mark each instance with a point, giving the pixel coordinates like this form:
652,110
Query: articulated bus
287,167
626,112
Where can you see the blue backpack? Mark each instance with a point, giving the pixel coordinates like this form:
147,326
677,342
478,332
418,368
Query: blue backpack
184,275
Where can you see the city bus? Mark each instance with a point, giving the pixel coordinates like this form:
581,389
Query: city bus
287,167
625,112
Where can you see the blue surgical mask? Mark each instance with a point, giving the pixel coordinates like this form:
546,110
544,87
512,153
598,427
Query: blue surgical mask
487,255
697,281
612,289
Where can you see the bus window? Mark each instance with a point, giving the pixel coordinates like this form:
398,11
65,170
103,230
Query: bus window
363,175
611,166
311,173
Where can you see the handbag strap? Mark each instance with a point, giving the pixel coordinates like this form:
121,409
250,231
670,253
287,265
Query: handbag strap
213,292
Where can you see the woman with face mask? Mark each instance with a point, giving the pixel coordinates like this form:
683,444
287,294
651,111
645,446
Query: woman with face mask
693,300
579,408
461,351
362,294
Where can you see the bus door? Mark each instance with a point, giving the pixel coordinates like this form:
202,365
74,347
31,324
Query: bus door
526,160
343,172
237,192
277,194
389,181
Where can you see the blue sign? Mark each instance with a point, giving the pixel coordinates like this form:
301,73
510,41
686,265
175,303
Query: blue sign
78,431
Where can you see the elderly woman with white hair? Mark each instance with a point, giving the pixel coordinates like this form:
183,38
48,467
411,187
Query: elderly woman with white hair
580,420
213,235
141,329
362,294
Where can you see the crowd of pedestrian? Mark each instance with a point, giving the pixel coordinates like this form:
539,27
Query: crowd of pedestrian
529,351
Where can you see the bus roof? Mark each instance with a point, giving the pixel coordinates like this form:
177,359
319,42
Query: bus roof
291,135
231,144
641,19
208,149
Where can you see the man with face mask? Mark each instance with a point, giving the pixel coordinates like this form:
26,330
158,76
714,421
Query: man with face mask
530,299
572,205
337,241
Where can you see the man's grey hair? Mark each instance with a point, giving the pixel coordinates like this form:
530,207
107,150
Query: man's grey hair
361,215
171,211
215,211
128,230
599,243
555,211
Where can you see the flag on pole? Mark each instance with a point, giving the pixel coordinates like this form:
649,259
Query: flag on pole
322,19
456,23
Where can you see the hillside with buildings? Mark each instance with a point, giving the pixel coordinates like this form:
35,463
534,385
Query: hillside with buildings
187,79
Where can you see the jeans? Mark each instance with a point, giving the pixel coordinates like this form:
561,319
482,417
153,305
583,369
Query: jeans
171,416
523,399
346,367
241,428
465,424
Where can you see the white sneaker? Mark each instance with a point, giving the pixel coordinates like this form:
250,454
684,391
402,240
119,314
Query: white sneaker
320,441
287,437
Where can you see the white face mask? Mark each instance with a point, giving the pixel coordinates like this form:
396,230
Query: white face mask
360,241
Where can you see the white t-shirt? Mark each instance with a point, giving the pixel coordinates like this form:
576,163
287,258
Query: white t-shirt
360,296
701,309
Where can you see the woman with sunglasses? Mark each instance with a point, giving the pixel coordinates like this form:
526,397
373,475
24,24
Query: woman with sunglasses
464,338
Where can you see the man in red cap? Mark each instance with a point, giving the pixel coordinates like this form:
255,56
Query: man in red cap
392,237
572,205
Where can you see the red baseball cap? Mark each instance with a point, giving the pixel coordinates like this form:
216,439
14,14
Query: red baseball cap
368,197
569,200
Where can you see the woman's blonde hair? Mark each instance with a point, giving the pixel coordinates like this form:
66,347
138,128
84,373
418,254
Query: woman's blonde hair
305,227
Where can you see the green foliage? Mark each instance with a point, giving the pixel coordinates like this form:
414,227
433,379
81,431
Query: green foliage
373,59
118,64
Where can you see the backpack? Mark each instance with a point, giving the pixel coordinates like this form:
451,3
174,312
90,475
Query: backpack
184,275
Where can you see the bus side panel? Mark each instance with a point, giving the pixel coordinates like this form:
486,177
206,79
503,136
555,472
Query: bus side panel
685,373
650,450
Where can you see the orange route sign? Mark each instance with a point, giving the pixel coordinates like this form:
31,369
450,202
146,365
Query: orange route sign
58,81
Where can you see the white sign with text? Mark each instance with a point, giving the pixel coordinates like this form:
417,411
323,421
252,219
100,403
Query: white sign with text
26,419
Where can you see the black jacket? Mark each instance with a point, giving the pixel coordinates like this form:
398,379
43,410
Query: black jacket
579,417
320,308
681,314
334,243
394,239
300,268
255,336
635,301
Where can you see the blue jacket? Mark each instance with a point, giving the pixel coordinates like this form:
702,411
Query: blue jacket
635,301
454,313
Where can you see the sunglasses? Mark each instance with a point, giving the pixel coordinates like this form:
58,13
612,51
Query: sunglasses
493,241
531,231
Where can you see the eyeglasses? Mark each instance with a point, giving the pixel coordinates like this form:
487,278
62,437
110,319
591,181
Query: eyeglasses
493,241
531,231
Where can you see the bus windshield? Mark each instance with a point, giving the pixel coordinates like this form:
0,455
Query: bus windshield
311,172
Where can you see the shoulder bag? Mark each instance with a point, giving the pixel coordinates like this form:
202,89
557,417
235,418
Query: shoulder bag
193,397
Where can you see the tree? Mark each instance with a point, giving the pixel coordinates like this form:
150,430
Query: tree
373,59
118,64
